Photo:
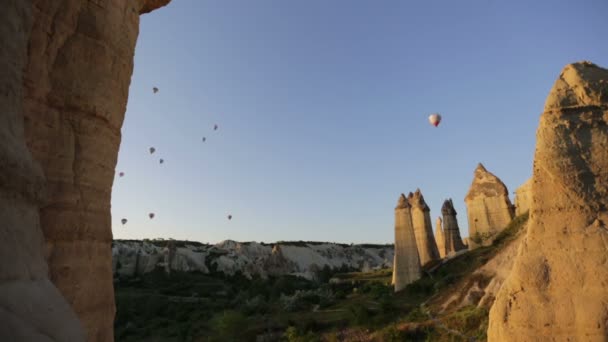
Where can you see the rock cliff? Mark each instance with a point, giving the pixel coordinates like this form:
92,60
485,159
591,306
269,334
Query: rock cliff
489,209
523,198
423,228
557,289
406,267
133,258
31,307
451,231
76,58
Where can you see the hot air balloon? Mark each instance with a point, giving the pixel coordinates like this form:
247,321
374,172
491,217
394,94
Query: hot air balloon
161,160
155,90
152,149
435,119
151,215
215,127
124,220
204,139
229,217
120,174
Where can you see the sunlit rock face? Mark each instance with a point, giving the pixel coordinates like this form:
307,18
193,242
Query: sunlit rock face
76,84
423,228
557,289
489,208
406,267
31,307
453,241
523,198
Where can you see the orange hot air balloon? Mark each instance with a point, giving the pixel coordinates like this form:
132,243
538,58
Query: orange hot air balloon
435,119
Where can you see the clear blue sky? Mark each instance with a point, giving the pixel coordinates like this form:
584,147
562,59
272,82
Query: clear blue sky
322,109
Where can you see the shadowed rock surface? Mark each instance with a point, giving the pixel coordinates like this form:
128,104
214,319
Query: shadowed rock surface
76,80
451,231
523,198
406,267
557,289
423,228
489,209
31,307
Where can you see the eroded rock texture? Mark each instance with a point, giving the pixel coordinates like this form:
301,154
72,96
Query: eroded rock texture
451,231
523,198
557,289
76,83
440,237
406,266
31,307
489,208
423,228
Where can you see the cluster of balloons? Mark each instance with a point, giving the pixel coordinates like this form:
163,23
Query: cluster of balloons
152,149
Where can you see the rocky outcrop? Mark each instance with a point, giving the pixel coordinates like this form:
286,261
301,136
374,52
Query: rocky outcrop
31,307
440,237
451,231
76,82
489,208
557,289
133,258
423,228
523,198
406,267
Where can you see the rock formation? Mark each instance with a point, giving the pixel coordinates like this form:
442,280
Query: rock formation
423,228
489,208
451,231
74,59
406,267
557,289
31,307
440,238
523,198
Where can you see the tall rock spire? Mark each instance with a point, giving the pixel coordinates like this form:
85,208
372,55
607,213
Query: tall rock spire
406,266
440,238
557,288
489,208
453,241
423,228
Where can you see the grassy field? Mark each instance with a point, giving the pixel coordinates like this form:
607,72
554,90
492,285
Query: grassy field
213,307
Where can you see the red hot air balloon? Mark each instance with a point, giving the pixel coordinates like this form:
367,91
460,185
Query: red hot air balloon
435,119
151,215
124,221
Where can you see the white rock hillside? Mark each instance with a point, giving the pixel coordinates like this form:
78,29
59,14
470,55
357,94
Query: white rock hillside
131,258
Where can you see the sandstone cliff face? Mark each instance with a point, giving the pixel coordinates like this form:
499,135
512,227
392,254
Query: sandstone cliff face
423,228
406,267
523,198
440,237
557,289
489,208
451,231
79,66
31,307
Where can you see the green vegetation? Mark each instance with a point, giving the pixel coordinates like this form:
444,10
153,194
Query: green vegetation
214,307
